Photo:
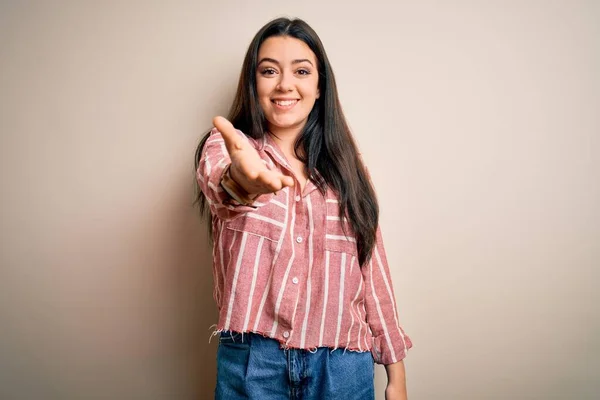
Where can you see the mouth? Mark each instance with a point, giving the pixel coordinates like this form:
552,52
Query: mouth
284,104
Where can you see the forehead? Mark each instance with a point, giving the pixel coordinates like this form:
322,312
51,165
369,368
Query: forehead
285,49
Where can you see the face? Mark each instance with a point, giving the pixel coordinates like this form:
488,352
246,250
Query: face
287,82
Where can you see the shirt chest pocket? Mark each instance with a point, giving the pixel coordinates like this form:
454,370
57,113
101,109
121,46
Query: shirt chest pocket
266,222
255,225
339,236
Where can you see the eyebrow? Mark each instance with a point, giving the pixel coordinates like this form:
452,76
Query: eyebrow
267,59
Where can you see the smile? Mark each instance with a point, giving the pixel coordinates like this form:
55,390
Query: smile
284,104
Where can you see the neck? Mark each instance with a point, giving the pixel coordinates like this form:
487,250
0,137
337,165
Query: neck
285,138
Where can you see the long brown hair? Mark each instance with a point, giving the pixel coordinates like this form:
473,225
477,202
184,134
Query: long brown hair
325,144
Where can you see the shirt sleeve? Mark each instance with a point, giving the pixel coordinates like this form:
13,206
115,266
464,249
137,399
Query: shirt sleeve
389,342
213,163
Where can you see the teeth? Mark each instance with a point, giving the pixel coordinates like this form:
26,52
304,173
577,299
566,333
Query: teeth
285,102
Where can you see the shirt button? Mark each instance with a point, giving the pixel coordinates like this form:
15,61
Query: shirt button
298,198
286,334
299,239
295,281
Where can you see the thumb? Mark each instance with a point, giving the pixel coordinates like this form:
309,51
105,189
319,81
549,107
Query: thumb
233,141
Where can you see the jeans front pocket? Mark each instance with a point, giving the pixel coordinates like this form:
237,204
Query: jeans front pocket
233,337
232,365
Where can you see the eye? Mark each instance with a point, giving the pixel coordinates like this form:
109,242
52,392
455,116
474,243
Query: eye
303,72
268,71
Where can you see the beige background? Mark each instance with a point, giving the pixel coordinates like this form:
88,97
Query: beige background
480,124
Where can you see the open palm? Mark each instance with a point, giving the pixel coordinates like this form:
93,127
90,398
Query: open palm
247,168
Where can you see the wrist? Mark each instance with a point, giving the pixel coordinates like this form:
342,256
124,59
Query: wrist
234,189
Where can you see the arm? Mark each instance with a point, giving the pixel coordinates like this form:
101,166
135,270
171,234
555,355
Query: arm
228,150
390,343
214,162
396,387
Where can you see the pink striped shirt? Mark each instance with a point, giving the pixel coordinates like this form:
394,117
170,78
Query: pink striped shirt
284,268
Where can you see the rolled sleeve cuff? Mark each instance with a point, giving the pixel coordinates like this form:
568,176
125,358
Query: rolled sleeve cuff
390,351
221,203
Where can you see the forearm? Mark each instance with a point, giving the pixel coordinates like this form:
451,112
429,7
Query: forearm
396,375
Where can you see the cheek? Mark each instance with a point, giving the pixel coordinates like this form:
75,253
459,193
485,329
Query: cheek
263,88
311,90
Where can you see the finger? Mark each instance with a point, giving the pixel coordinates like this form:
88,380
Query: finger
233,141
275,180
269,180
287,181
280,181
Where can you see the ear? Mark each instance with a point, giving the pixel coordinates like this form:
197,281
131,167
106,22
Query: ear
318,93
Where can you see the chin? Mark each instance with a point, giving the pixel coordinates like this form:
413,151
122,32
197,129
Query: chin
285,123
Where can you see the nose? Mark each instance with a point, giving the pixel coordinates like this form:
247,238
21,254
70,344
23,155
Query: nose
285,82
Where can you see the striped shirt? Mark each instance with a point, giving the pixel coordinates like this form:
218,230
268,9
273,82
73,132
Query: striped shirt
283,267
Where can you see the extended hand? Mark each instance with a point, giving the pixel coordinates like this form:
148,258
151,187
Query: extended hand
247,168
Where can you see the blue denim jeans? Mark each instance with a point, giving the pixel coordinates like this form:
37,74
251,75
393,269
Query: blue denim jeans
257,368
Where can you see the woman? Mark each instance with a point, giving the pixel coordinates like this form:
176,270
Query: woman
304,293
